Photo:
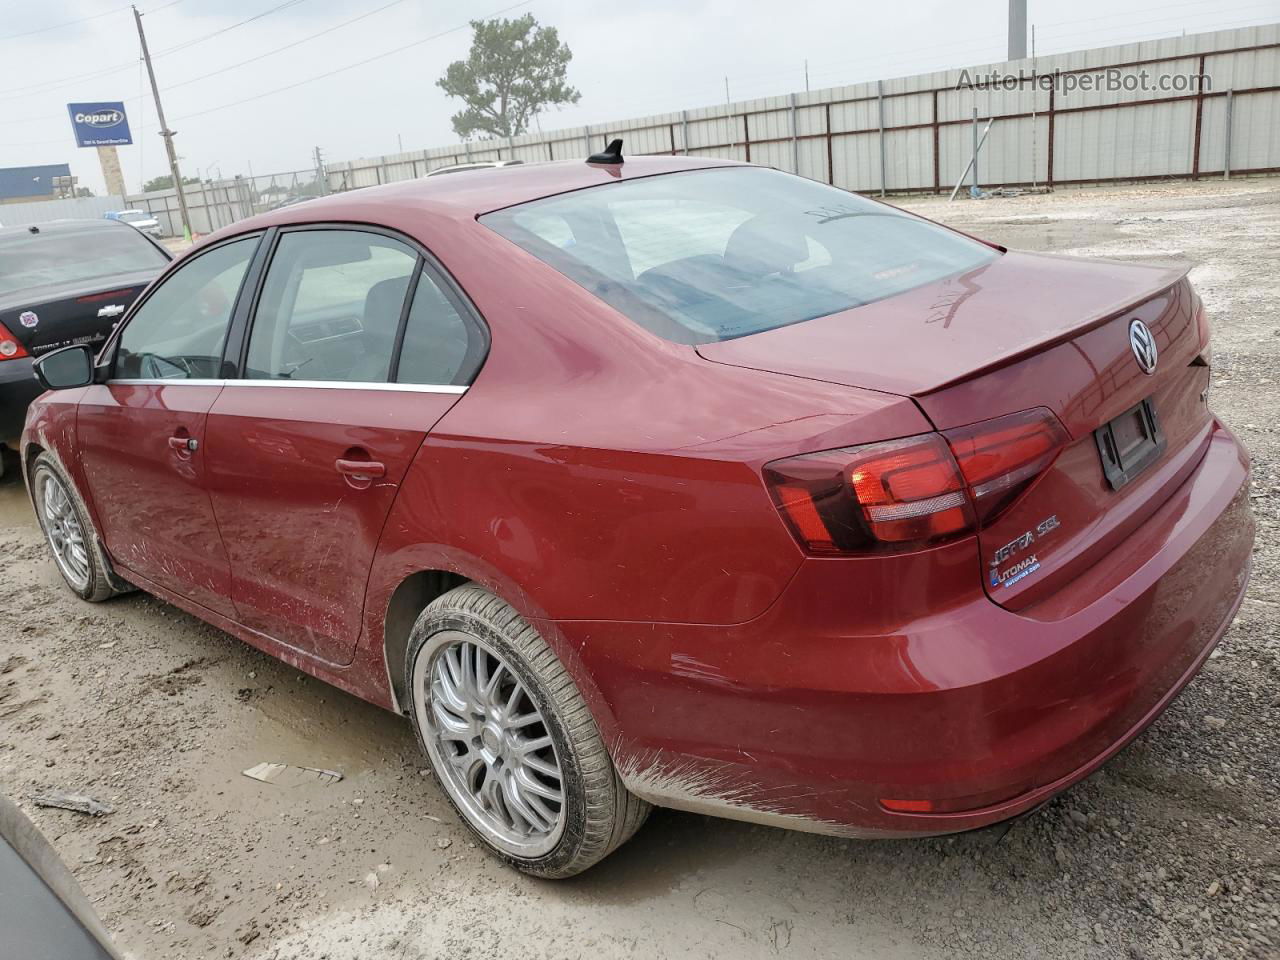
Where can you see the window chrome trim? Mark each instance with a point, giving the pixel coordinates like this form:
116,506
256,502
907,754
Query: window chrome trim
320,384
351,385
166,382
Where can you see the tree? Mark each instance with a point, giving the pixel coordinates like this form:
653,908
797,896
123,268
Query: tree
83,192
516,69
165,183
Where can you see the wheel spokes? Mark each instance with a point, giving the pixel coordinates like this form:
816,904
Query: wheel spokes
494,750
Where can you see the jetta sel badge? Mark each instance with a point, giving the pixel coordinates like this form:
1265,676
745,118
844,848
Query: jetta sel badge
1028,538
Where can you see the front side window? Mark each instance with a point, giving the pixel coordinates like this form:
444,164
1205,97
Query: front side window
179,331
330,307
74,255
711,255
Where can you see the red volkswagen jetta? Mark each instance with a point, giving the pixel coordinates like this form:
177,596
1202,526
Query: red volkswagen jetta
670,482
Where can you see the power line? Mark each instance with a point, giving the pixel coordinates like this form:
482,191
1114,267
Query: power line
65,23
287,46
350,66
219,32
46,86
95,16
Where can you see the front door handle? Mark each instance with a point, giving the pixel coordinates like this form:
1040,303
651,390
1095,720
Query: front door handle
361,469
184,444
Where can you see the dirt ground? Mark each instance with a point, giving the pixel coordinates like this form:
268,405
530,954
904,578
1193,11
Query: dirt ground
1172,850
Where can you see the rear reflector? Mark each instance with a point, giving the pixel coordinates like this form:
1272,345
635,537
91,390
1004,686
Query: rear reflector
908,806
916,492
11,347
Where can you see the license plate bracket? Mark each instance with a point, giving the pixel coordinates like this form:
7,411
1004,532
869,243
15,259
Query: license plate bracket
1130,443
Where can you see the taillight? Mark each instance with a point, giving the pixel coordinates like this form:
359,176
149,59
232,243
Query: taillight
906,494
881,496
1001,458
1202,330
10,346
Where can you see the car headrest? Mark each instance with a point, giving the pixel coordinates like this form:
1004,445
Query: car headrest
382,307
766,245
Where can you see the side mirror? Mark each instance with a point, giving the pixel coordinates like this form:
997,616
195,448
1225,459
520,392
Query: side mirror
66,368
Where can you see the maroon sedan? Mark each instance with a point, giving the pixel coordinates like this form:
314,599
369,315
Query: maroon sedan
670,482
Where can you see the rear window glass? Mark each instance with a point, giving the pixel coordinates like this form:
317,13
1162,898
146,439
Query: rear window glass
54,257
711,255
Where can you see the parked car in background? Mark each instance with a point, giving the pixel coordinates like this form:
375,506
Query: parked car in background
139,220
44,914
61,283
670,481
477,165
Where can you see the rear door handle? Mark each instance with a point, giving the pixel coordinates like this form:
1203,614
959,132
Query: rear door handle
184,444
361,469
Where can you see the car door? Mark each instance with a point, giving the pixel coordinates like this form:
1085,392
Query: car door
142,433
308,447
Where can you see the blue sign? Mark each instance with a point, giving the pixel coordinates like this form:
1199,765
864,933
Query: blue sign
100,124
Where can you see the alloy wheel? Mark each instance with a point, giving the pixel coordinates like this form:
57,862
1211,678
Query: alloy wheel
490,744
64,531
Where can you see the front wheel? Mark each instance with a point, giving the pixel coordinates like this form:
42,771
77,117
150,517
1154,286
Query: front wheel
511,739
70,533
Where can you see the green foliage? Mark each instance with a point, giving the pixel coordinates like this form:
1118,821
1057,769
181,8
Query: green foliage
516,69
165,183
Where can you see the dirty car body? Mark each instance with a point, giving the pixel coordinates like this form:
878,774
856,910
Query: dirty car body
838,520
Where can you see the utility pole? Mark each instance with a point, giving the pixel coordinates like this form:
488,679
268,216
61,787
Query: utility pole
322,175
164,129
1017,29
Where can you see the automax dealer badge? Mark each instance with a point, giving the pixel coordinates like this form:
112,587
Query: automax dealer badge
28,318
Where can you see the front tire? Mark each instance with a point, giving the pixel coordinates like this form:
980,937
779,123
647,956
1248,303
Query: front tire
511,739
70,534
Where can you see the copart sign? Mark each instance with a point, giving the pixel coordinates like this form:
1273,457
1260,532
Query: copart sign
100,124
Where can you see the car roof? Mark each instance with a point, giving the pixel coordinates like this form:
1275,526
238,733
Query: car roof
465,198
64,226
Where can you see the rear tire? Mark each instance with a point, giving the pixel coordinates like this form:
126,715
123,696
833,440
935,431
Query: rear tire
508,732
72,539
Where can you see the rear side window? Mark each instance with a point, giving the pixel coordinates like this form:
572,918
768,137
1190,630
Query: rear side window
70,256
711,255
442,346
330,307
179,331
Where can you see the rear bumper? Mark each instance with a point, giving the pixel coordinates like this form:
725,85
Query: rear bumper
18,387
814,713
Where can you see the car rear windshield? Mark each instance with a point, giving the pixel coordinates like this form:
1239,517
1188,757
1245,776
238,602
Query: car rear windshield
709,255
73,256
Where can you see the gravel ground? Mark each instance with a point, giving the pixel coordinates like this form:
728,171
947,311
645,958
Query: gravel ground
1172,850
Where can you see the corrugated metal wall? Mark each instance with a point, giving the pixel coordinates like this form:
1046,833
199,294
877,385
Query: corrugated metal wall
1038,136
42,211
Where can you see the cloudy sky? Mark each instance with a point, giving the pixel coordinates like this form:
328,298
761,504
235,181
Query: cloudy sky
267,115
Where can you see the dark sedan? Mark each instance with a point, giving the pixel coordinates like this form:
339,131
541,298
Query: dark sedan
62,283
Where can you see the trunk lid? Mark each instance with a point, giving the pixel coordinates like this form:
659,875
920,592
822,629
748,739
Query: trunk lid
46,318
1027,331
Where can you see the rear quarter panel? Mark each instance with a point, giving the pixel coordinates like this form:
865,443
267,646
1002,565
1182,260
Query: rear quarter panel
595,471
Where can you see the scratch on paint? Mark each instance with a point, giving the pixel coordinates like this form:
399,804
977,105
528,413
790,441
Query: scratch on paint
718,787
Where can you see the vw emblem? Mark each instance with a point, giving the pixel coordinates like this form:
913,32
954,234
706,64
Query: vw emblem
1143,342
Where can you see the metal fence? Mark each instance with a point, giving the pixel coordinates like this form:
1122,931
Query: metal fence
42,211
213,204
914,134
